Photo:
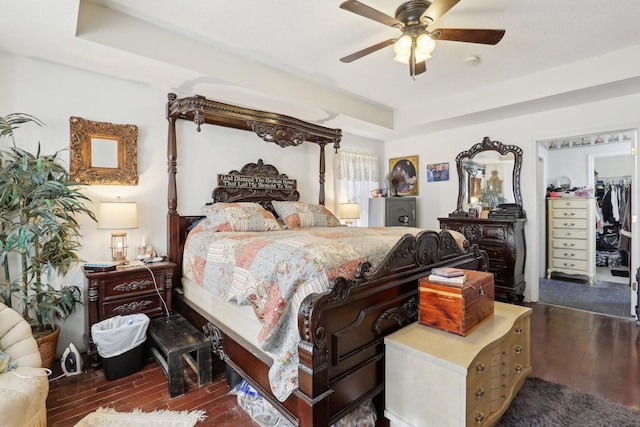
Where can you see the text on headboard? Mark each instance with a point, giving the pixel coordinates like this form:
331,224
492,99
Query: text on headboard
246,181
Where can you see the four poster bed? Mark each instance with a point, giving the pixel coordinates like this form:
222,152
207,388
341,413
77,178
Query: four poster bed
325,295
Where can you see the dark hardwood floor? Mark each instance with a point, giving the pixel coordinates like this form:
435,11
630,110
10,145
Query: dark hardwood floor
591,352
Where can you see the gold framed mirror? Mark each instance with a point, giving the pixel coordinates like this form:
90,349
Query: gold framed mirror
103,153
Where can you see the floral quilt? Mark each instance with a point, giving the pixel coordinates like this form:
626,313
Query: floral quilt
275,270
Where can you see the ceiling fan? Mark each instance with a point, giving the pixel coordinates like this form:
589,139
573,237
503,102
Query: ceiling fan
416,43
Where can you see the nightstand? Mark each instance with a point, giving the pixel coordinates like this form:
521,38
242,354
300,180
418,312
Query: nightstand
127,290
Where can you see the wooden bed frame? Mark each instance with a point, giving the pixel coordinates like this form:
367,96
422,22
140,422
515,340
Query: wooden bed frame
342,332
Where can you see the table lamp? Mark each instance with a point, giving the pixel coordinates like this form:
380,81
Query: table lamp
119,216
349,211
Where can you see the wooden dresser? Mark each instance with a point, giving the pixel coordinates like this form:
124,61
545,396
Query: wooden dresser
127,290
571,234
456,381
503,240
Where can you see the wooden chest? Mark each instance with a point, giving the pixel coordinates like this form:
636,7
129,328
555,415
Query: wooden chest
454,307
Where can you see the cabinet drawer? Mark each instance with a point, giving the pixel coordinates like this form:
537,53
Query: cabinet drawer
579,224
566,233
569,203
570,244
569,264
138,284
570,254
570,213
479,415
479,368
150,305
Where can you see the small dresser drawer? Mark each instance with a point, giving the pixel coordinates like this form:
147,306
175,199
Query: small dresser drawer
570,213
566,203
578,224
565,233
147,304
141,283
573,244
569,264
570,254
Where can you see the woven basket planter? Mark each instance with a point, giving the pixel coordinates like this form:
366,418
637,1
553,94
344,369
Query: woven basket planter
48,345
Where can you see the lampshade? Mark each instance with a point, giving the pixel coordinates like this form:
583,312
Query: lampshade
118,215
349,211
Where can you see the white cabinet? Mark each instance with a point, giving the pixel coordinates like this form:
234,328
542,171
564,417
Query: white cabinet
435,378
571,236
392,211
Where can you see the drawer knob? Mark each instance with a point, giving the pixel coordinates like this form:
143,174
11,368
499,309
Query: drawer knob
568,264
518,349
569,213
518,330
569,254
480,368
569,245
569,224
479,392
518,368
480,418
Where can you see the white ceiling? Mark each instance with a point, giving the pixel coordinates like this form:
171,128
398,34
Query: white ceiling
283,56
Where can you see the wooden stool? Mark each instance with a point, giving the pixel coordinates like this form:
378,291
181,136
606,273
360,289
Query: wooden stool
174,338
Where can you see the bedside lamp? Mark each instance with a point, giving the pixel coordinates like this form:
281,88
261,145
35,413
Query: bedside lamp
349,211
118,216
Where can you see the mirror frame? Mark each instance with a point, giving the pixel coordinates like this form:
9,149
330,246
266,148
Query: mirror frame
81,168
488,145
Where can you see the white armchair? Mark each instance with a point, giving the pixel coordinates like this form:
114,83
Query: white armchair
23,391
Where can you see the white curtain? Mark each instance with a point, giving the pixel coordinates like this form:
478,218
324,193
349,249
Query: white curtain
356,175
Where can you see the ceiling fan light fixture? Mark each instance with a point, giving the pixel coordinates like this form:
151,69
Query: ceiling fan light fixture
425,45
402,46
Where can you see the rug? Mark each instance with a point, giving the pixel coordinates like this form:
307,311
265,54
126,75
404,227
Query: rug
542,403
106,417
613,299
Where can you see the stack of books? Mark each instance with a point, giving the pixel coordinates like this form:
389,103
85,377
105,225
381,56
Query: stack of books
448,275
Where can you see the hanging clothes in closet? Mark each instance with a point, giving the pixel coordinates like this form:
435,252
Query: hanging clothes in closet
615,197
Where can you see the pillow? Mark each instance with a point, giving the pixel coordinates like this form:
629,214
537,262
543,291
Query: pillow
6,364
300,214
242,216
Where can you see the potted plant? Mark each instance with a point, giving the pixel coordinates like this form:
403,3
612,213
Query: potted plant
39,233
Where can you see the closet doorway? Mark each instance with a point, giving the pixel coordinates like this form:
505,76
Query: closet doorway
611,292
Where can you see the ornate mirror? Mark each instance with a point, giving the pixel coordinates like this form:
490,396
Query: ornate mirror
489,174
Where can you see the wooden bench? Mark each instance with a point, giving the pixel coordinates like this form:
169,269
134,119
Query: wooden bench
173,339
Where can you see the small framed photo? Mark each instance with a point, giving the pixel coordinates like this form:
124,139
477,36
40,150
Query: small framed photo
437,172
403,176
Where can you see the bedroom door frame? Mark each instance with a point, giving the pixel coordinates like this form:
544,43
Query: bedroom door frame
542,178
633,266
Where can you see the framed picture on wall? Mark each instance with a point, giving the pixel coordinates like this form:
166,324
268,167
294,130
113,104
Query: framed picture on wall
437,172
403,176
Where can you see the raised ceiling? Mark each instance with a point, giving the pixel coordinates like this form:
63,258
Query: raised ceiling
283,56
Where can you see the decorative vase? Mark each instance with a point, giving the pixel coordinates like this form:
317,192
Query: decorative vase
48,345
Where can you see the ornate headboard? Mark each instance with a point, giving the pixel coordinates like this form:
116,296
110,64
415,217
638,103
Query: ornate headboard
256,182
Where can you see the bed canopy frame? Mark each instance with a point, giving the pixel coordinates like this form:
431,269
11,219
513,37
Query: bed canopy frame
341,350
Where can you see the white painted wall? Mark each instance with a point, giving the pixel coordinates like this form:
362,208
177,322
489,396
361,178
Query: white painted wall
54,93
438,199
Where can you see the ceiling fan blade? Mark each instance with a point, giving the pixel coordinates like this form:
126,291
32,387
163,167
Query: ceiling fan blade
437,9
359,54
371,13
468,35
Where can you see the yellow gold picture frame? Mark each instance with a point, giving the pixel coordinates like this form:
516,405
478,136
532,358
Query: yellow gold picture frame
407,168
103,153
